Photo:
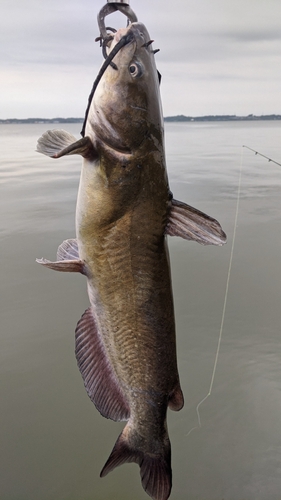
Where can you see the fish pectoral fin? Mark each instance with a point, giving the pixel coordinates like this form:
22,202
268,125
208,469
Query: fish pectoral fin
100,381
191,224
57,143
176,400
65,266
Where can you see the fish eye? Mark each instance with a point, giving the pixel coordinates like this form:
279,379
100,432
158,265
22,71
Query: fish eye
135,69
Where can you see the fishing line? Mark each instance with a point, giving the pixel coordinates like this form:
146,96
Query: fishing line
225,297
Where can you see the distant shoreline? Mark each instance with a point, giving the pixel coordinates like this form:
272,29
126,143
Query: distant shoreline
220,118
177,118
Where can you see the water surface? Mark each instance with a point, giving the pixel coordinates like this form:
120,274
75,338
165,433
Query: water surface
53,441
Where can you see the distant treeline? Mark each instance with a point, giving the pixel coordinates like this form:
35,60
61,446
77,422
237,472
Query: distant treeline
42,120
178,118
219,118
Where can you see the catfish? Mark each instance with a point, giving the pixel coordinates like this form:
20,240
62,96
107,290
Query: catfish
125,340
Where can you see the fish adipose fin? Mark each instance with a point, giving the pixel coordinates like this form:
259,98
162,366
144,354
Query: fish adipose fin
155,468
68,260
57,143
191,224
176,400
99,379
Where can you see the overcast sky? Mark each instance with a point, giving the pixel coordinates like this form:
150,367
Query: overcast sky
216,56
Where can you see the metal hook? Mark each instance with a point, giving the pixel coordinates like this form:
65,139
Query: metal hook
113,6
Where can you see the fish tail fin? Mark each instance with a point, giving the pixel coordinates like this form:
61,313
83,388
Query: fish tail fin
155,467
156,475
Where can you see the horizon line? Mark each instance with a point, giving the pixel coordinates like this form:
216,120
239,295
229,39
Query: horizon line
179,117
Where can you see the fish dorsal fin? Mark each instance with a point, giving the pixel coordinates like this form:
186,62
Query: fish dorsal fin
99,378
68,260
57,143
191,224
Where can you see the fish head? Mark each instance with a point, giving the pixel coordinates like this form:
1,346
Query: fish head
126,106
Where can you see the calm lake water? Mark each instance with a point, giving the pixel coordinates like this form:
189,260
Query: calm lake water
53,441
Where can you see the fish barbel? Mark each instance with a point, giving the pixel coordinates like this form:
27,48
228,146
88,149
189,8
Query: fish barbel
125,340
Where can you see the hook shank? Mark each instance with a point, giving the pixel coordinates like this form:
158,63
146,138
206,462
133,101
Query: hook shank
109,8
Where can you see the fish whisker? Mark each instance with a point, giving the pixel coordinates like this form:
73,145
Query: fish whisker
104,53
146,44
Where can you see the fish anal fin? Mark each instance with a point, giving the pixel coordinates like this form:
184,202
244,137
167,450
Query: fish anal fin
99,378
192,224
155,468
57,143
64,266
176,400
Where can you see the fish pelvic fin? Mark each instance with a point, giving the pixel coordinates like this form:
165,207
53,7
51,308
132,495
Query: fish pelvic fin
64,266
68,260
68,250
58,143
100,381
155,467
191,224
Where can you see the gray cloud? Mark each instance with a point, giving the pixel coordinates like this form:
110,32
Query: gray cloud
229,51
253,35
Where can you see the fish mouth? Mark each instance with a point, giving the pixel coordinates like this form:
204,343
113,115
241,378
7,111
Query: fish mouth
135,32
128,36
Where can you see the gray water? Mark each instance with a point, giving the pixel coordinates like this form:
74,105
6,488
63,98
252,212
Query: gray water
53,441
